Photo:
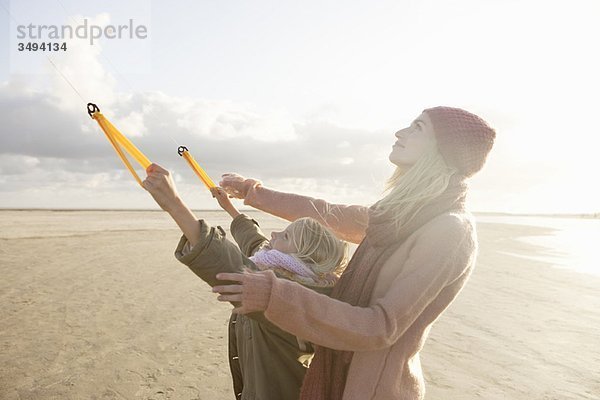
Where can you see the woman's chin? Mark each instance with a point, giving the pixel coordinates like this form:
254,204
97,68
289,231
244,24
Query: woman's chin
400,163
397,161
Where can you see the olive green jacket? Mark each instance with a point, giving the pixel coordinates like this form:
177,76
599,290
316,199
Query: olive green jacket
266,362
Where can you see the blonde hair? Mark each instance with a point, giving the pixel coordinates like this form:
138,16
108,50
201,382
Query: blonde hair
318,247
409,189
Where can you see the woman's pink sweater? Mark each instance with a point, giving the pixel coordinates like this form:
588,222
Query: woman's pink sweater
415,285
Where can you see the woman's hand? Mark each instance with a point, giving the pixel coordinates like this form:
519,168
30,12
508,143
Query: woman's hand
236,185
160,185
252,291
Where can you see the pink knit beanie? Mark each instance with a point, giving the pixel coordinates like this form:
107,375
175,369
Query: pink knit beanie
463,138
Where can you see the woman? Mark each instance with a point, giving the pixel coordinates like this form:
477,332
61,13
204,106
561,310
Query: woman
417,249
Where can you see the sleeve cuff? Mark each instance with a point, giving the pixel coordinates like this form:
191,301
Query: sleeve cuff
185,253
257,293
241,221
251,198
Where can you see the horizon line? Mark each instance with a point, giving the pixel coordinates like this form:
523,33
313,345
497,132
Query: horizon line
482,213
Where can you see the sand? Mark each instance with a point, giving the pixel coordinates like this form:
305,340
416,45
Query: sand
94,306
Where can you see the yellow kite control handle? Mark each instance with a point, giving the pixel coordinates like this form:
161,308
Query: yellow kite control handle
118,140
183,152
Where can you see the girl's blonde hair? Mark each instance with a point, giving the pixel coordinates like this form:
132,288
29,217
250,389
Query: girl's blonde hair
318,247
409,189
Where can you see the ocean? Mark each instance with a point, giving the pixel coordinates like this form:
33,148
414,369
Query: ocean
572,244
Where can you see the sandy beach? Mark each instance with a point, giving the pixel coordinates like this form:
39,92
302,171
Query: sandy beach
95,306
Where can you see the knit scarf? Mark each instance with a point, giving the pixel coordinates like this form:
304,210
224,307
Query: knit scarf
326,377
288,267
271,258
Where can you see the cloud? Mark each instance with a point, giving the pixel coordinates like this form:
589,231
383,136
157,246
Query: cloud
17,165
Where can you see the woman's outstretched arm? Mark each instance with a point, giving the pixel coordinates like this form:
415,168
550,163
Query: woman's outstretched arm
349,222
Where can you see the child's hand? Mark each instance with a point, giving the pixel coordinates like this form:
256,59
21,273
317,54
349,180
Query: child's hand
161,186
223,199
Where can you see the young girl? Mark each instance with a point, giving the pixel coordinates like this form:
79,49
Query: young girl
265,361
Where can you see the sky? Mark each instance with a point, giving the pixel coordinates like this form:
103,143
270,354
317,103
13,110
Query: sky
305,96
